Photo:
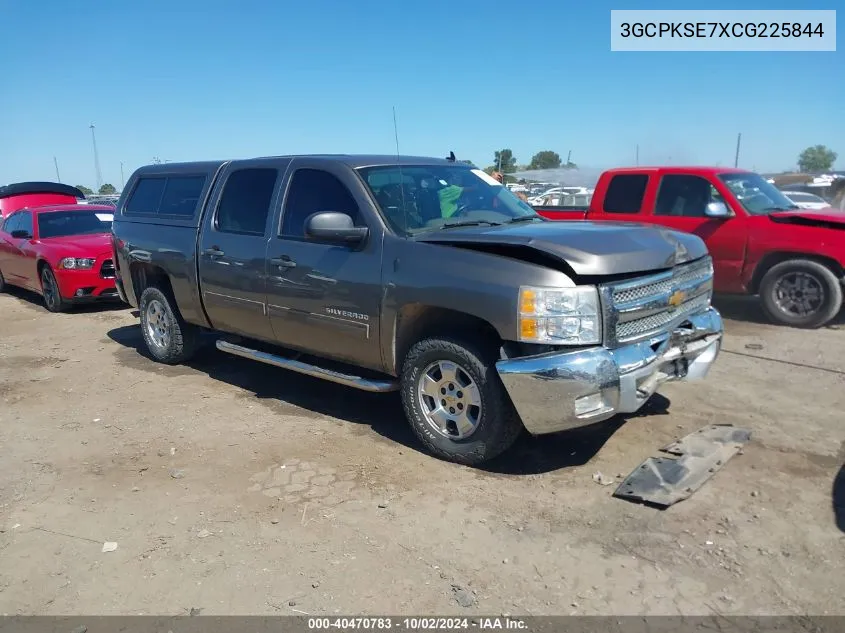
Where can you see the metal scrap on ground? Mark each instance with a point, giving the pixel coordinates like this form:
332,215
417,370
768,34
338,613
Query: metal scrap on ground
663,481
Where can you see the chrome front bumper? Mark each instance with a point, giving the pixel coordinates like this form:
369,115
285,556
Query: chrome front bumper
560,391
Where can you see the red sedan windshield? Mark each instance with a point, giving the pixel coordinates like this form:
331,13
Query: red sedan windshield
65,223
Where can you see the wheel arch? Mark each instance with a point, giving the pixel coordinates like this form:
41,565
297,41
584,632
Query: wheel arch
415,322
778,257
144,275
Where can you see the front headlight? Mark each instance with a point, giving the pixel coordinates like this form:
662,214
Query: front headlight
77,263
559,316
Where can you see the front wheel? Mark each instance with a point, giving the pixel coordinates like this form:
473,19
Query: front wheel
456,402
53,300
169,338
801,293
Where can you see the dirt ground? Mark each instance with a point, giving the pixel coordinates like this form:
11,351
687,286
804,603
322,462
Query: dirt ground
232,487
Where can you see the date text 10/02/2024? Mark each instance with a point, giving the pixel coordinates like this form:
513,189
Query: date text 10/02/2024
416,623
721,29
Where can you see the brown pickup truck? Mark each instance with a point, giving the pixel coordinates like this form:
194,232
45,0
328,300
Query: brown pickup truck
420,275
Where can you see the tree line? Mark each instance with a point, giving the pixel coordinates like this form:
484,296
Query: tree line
817,158
105,190
505,162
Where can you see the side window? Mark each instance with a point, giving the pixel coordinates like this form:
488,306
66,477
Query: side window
166,195
181,195
683,196
146,196
25,222
625,193
245,203
312,191
11,223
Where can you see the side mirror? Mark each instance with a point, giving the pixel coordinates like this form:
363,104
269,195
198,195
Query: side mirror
334,227
717,210
21,235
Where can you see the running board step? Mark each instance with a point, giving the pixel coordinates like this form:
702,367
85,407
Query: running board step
357,382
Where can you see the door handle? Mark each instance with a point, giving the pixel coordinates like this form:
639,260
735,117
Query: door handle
283,262
213,252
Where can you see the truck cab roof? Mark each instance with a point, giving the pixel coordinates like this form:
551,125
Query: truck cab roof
352,160
697,170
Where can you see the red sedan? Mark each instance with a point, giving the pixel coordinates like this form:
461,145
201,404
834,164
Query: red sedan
62,252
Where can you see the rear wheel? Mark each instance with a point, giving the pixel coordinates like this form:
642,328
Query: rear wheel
456,402
169,338
53,300
801,293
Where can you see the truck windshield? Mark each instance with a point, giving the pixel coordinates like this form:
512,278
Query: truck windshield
419,198
64,223
757,195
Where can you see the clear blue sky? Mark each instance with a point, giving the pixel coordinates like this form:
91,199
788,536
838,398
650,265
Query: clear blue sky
185,80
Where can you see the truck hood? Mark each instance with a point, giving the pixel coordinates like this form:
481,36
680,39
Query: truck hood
589,248
823,218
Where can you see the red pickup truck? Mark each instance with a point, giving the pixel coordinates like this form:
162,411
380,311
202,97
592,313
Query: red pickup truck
761,242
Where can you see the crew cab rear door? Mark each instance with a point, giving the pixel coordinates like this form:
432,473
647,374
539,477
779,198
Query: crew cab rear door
233,245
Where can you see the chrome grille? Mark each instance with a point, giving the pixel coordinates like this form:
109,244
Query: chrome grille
647,306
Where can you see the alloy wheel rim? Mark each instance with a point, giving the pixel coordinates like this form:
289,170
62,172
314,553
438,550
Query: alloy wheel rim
48,288
799,294
450,400
158,327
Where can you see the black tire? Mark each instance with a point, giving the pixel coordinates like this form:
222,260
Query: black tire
780,308
53,300
175,340
2,282
498,424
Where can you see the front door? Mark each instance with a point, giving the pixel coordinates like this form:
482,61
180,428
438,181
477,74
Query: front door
680,204
19,266
233,246
326,296
8,249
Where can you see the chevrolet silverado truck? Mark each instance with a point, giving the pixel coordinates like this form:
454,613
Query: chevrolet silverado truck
421,275
761,242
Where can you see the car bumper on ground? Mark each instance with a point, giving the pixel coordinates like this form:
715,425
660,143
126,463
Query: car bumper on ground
82,286
559,391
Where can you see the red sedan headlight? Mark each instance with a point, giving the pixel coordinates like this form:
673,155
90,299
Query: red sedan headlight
77,263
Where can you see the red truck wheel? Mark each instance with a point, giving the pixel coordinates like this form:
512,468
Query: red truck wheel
801,293
456,403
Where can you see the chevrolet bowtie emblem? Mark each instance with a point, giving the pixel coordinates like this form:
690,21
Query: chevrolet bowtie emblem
677,298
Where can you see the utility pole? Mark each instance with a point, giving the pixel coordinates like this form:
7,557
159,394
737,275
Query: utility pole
96,160
738,140
56,163
638,155
122,179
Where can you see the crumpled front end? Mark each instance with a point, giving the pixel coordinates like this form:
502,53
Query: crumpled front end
657,329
